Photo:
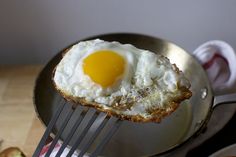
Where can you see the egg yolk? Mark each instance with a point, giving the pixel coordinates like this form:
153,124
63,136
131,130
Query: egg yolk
104,67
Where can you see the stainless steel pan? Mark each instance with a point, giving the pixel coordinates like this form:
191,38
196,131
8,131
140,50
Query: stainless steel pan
146,139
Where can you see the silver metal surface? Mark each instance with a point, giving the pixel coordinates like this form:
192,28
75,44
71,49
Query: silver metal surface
204,93
224,99
94,123
142,139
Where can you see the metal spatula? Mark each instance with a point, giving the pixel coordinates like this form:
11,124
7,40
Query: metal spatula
94,123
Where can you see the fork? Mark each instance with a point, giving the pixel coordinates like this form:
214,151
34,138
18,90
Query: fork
94,123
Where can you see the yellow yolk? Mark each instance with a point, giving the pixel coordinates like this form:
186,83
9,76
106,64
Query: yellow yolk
104,67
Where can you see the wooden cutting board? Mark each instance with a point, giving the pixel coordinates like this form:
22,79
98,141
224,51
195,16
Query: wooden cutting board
19,125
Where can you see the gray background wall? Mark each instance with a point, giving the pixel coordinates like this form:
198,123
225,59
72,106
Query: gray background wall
32,31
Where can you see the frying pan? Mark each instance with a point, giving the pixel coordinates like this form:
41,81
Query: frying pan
145,139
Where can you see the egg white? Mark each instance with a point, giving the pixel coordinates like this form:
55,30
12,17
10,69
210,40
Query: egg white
144,71
70,77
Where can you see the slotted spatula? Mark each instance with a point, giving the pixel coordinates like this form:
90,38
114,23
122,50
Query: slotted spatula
95,122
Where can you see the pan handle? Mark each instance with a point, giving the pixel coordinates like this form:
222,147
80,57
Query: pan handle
224,99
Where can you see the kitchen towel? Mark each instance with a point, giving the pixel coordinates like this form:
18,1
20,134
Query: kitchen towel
219,61
56,149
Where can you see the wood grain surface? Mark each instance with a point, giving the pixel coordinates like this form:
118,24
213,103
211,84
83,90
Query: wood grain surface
19,126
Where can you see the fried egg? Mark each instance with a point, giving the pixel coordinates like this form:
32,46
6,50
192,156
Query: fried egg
121,80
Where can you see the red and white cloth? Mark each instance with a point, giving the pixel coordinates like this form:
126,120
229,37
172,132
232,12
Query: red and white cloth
55,150
218,59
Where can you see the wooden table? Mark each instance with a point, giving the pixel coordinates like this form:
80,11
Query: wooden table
19,125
